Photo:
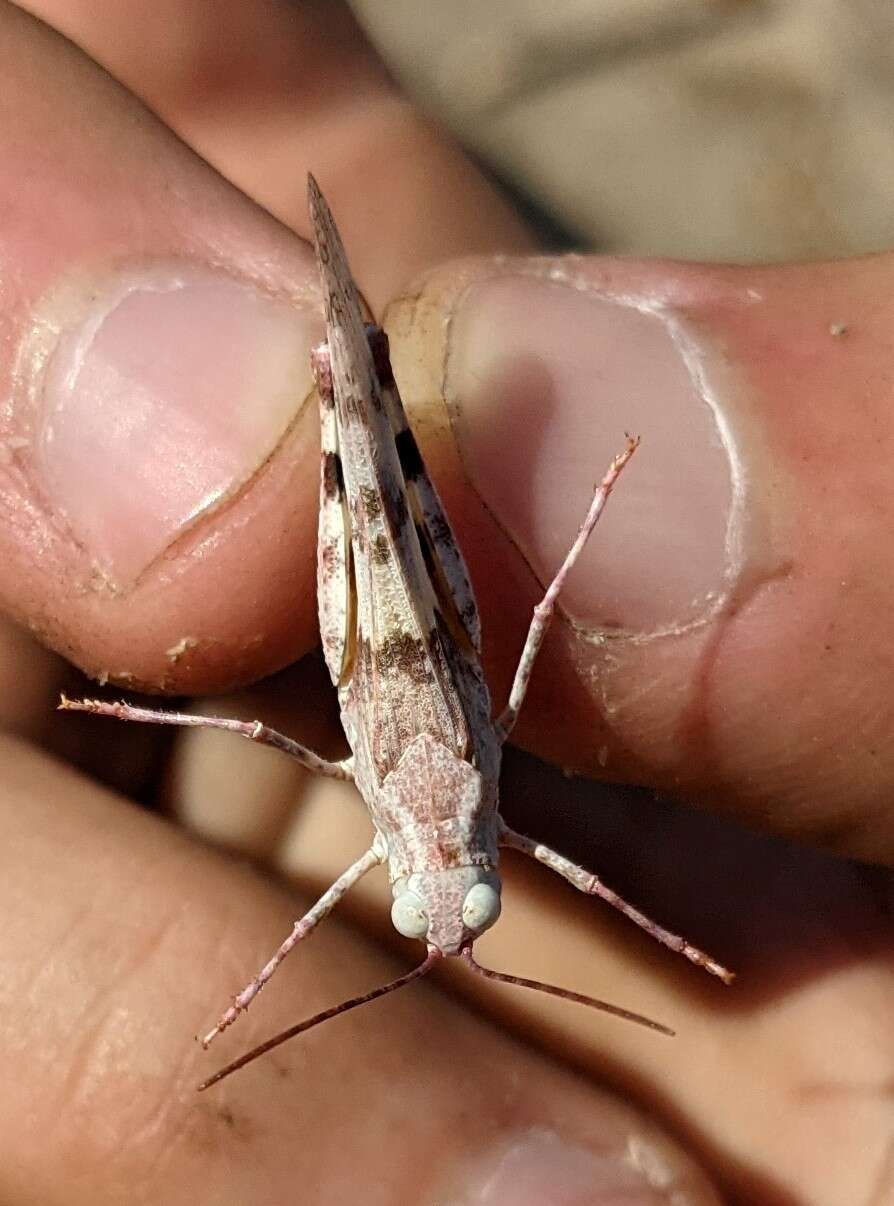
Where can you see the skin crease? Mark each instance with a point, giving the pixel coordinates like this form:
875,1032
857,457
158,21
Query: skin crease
781,1087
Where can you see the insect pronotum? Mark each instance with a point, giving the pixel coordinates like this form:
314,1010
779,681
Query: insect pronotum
401,638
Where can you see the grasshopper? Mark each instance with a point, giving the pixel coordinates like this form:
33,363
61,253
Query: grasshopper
402,641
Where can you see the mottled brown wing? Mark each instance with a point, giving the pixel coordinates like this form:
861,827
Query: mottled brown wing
402,680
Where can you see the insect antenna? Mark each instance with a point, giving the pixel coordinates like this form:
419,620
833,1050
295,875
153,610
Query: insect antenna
308,1024
564,994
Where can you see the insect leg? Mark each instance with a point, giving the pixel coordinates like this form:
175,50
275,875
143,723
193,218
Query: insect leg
543,612
252,729
586,881
301,929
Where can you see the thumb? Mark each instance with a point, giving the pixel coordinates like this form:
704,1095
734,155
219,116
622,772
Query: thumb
154,443
158,450
726,632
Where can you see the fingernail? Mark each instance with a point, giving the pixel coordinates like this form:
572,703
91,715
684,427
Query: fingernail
541,1169
147,399
544,377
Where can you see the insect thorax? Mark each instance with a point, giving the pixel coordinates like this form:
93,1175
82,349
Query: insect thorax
435,811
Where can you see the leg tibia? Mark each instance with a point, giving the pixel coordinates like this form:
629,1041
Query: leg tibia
253,730
301,929
586,881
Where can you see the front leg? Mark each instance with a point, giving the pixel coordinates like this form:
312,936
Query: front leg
586,881
252,729
543,612
300,930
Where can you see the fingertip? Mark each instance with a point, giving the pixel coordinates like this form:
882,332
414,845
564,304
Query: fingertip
723,629
158,453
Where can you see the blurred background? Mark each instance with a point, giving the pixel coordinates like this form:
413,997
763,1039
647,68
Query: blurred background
745,130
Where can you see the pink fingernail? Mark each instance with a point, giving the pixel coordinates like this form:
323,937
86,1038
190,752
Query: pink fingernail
541,1169
151,398
546,376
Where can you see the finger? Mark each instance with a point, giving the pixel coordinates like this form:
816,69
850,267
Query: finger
726,629
809,937
158,453
116,957
265,92
156,346
662,743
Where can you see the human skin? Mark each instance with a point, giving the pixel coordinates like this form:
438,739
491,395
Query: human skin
767,699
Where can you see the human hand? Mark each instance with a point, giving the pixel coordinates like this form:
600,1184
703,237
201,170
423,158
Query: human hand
771,1084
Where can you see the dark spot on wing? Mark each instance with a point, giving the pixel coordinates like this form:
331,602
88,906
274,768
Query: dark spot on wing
333,477
329,559
381,354
427,555
371,504
380,550
396,508
457,624
440,529
406,655
409,455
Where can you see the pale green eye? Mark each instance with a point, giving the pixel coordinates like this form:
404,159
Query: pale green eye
409,916
481,908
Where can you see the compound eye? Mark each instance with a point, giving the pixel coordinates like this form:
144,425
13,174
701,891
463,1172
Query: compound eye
409,916
481,908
